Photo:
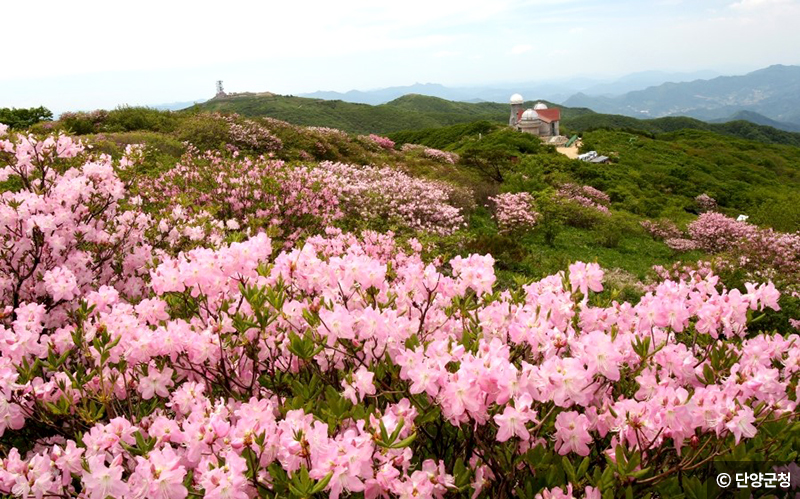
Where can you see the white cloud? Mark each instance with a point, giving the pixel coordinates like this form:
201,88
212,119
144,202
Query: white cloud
760,4
152,34
521,49
446,53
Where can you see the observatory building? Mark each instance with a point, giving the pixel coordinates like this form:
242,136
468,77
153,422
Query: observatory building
539,120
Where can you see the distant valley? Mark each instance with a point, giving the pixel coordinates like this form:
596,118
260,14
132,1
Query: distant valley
767,96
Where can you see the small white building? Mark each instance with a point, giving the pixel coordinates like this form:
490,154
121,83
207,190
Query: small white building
539,120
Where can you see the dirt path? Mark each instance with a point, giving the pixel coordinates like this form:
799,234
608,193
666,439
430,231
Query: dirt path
570,152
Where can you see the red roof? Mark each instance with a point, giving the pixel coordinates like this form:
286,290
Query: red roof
546,115
549,115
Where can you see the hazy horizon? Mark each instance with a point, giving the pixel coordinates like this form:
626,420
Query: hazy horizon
100,55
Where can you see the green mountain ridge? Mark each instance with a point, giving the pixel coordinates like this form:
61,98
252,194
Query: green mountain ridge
401,114
759,119
414,112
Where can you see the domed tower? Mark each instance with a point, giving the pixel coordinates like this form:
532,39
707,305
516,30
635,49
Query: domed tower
539,106
529,122
516,108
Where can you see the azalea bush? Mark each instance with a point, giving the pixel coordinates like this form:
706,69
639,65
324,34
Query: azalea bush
66,229
351,365
380,141
514,212
586,196
289,200
765,253
387,195
231,131
705,202
441,156
661,230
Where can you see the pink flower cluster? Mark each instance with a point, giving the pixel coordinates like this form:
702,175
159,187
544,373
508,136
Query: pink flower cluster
382,142
249,134
292,201
705,202
586,196
374,193
361,317
514,212
681,244
661,230
65,232
765,251
666,230
441,156
680,271
327,131
715,232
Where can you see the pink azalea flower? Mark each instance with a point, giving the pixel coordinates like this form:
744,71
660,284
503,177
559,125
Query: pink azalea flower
102,481
572,433
583,277
741,424
513,419
156,383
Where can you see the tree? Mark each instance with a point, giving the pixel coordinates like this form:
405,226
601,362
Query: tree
24,117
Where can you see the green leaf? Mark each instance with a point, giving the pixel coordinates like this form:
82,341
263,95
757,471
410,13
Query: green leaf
320,486
619,454
397,430
405,442
708,374
297,492
569,469
584,466
461,473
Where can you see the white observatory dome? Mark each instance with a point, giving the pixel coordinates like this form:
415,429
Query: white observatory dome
540,105
529,115
517,99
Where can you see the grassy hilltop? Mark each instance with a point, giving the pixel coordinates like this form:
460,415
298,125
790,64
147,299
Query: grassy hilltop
420,111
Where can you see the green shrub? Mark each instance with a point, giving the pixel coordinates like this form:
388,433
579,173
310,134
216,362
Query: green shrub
782,215
204,132
610,230
127,119
551,216
582,217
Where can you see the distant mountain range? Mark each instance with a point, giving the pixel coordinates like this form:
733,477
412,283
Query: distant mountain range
176,106
769,96
555,91
759,119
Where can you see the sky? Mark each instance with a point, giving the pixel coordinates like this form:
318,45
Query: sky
87,54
